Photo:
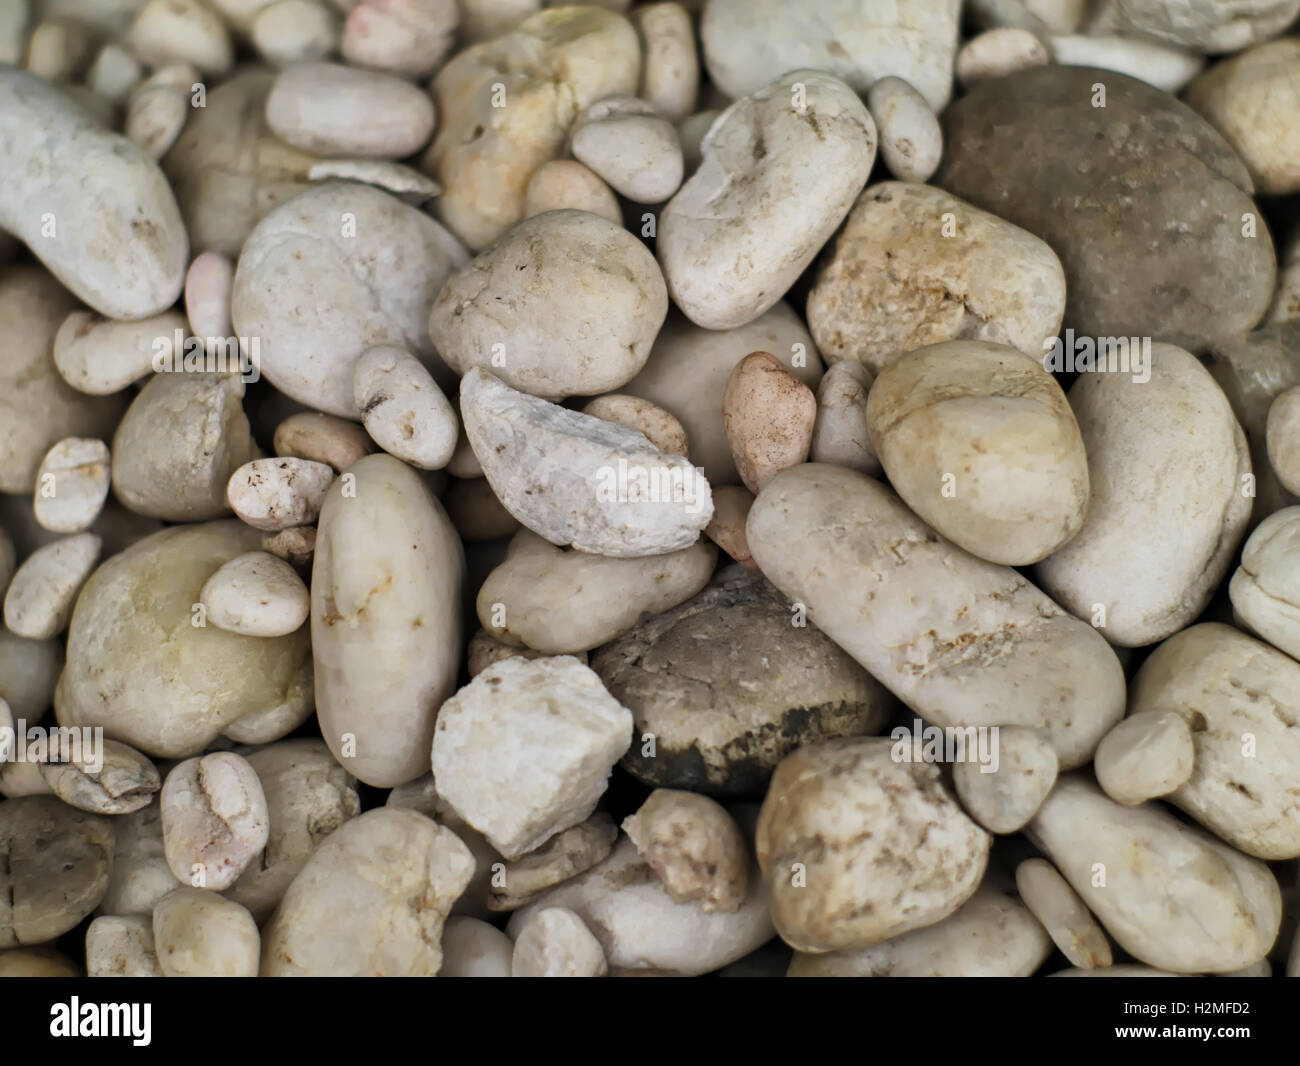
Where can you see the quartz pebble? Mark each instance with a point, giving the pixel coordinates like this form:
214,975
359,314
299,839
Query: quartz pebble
322,439
694,846
719,723
201,934
294,31
556,943
1069,923
564,602
659,427
578,480
170,31
331,109
1148,754
1164,66
409,869
140,876
841,807
578,320
410,38
214,819
567,854
670,75
100,356
999,52
159,107
911,141
1004,793
565,184
121,946
731,504
990,935
774,184
952,652
402,408
560,761
43,590
1130,867
71,485
207,296
256,595
473,948
840,434
915,266
624,141
981,443
276,494
768,415
178,444
113,779
56,870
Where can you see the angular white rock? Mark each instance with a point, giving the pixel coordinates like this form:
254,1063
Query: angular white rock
525,749
556,943
781,169
385,621
402,407
43,590
1006,797
961,641
1169,469
214,819
578,480
257,595
371,901
276,494
1147,755
1174,897
911,140
71,486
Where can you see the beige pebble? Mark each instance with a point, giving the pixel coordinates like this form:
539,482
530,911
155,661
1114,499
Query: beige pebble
911,140
201,934
567,854
694,846
140,876
59,49
406,37
121,946
403,409
36,962
275,494
112,779
1068,922
156,114
44,588
473,948
661,428
555,942
1003,799
1148,754
1283,438
631,147
840,434
670,73
99,356
114,73
769,417
214,819
567,184
207,295
187,31
323,439
1265,590
295,546
256,595
331,109
71,486
998,52
476,512
294,31
731,504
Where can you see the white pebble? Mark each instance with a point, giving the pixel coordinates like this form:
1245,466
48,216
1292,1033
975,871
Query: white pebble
72,485
275,494
291,31
207,295
403,409
256,595
201,934
996,53
473,948
1068,922
44,589
214,819
1148,754
911,140
99,356
629,145
557,943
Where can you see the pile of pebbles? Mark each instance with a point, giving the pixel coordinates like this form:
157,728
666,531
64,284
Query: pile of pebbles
713,487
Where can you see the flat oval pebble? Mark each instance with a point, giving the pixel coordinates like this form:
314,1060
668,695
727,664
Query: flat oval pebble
276,494
565,184
911,140
659,427
633,148
43,590
207,294
121,946
1002,795
256,595
402,407
100,356
1069,923
322,439
72,485
840,435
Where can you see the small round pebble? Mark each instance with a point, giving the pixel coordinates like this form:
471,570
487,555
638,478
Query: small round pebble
323,439
276,494
201,934
566,183
911,140
1146,755
555,942
998,52
660,427
473,948
403,409
1004,799
257,595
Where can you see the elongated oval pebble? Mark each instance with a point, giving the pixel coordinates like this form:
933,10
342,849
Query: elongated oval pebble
208,284
256,595
214,819
99,355
911,140
473,948
402,407
275,494
71,485
1068,922
44,589
841,435
323,439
